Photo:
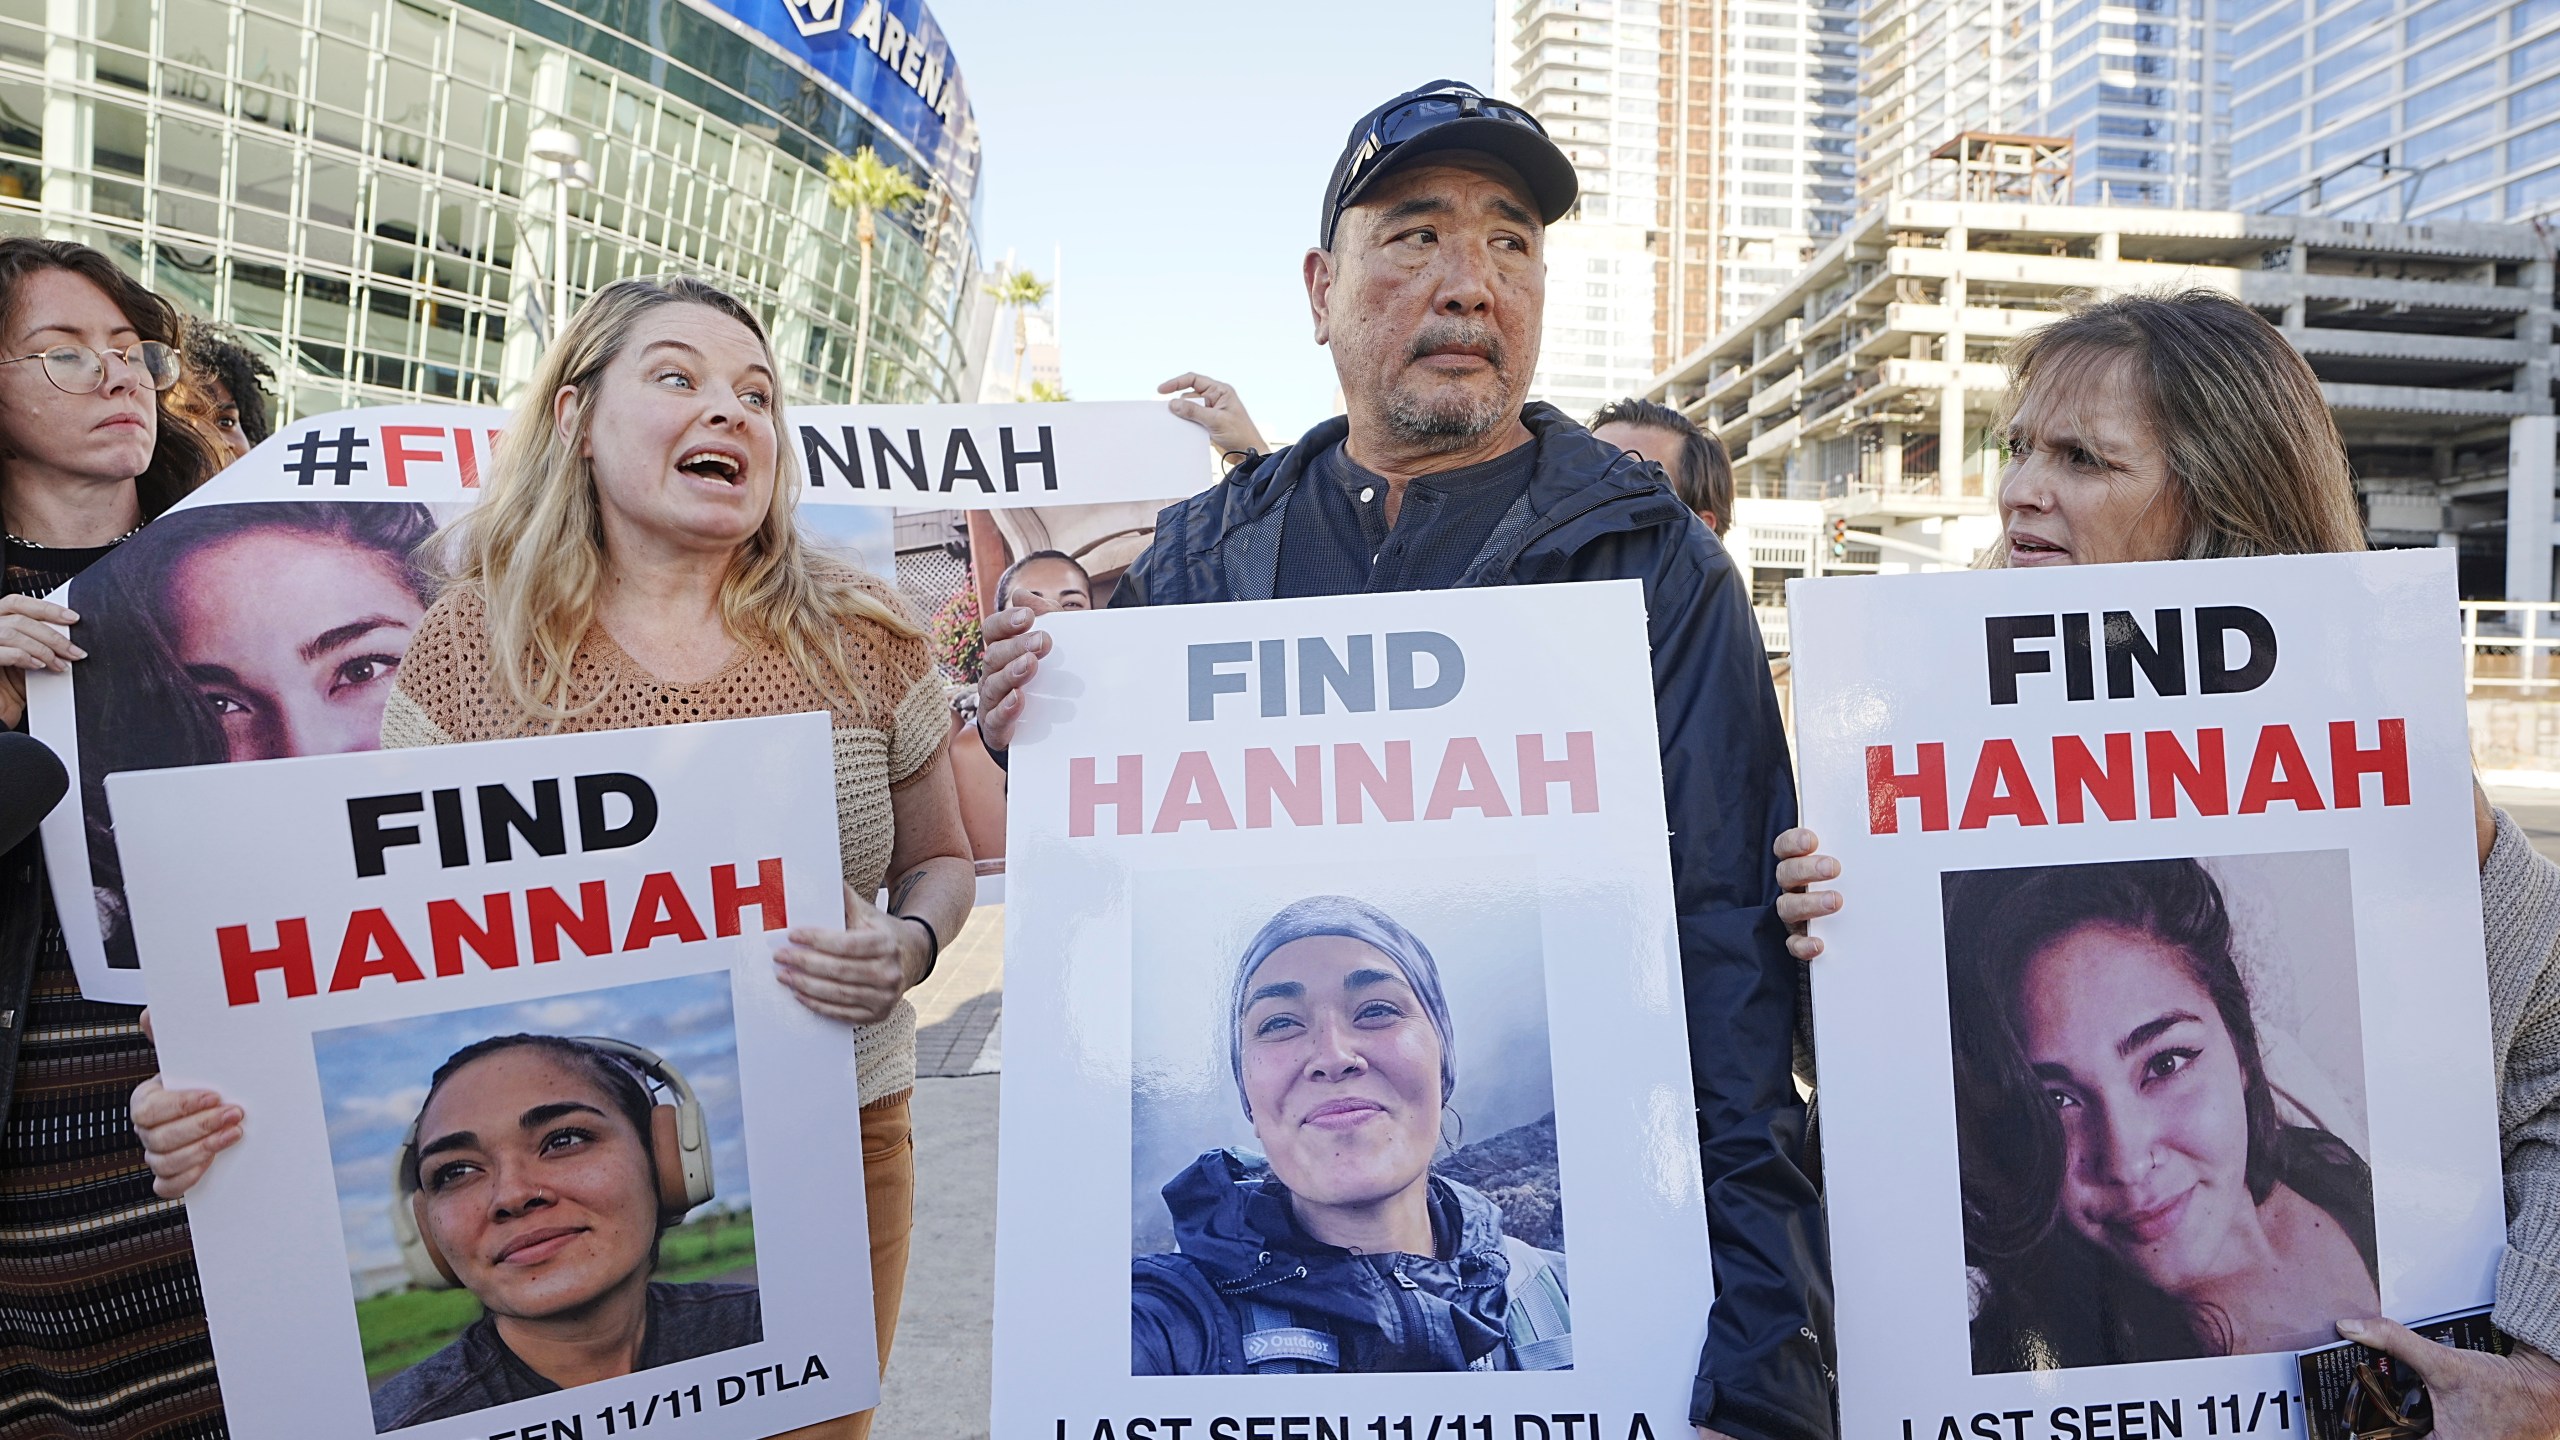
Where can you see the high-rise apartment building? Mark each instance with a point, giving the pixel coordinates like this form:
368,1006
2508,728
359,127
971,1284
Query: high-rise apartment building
2132,84
1712,138
2382,110
2139,87
1931,70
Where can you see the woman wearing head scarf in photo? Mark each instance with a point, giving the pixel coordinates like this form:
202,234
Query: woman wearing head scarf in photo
553,1226
101,1325
2158,427
240,632
2118,1135
633,561
1337,1249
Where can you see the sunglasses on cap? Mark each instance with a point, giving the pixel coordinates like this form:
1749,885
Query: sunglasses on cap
1418,116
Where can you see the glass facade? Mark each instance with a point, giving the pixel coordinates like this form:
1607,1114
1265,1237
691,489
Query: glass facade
349,182
2138,88
2383,110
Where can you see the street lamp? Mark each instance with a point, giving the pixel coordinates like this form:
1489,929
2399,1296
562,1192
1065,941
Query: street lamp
558,152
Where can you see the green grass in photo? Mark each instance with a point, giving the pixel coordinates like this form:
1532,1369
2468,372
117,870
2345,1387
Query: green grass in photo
406,1326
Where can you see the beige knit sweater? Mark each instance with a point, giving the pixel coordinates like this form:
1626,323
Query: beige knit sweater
2520,905
885,736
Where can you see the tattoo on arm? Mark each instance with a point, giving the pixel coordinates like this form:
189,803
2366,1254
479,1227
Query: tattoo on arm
906,886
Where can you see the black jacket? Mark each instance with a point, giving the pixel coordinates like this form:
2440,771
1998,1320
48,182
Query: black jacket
1593,512
478,1371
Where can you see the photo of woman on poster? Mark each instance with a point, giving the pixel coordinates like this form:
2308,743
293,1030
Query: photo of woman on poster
541,1175
2136,1187
239,632
1337,1248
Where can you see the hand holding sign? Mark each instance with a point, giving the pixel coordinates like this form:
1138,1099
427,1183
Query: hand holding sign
855,974
1800,864
1012,658
1214,406
2477,1395
32,637
181,1130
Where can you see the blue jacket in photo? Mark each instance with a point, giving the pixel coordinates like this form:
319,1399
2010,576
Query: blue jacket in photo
1250,1293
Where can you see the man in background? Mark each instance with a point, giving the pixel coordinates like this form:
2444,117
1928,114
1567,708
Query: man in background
1694,461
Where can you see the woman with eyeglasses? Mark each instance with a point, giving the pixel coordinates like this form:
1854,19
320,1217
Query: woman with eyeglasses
101,1323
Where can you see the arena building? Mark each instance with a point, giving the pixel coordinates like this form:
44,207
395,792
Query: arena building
394,198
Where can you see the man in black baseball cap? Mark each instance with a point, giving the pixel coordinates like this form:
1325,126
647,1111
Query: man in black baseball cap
1443,116
1428,283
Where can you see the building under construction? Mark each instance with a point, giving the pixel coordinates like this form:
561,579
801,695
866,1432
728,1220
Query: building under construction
1860,405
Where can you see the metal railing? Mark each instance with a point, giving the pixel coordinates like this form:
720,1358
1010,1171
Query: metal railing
2510,645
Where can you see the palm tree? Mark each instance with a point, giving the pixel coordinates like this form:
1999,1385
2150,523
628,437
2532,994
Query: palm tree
1025,292
1043,390
866,184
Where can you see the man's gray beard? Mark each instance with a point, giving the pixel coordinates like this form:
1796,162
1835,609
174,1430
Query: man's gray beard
1446,425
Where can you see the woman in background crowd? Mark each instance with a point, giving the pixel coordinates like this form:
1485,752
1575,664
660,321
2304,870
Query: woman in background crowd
101,1320
2185,427
633,561
221,388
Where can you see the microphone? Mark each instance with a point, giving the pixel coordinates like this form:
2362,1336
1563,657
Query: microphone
32,781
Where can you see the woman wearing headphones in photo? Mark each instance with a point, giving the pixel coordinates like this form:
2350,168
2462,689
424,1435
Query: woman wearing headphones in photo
539,1176
1338,1250
633,561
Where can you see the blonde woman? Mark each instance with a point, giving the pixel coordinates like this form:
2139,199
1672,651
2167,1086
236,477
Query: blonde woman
634,562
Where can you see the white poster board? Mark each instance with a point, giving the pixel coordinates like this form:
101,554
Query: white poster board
1320,906
2161,947
265,614
323,935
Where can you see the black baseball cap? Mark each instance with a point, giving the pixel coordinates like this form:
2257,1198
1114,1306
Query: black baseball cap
1448,115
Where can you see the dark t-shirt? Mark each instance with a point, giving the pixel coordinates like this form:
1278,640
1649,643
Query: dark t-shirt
1334,538
477,1370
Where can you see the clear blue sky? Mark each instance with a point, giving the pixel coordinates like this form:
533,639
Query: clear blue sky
1177,156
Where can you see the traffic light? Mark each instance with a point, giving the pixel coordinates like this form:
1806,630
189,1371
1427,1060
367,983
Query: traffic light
1839,539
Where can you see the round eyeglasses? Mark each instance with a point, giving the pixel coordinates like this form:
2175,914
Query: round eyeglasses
79,370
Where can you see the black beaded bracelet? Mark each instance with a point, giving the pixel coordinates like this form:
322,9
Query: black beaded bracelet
933,951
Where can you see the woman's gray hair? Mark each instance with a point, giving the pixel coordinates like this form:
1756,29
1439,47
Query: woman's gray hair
1353,920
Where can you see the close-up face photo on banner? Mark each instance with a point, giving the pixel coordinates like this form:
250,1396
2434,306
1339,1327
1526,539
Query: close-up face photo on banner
522,1185
239,632
1337,1082
2158,1066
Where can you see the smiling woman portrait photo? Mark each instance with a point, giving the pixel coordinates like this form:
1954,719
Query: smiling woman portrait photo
541,1175
1336,1245
2136,1185
240,632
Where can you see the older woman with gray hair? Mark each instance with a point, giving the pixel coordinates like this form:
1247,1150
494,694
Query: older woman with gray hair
1337,1249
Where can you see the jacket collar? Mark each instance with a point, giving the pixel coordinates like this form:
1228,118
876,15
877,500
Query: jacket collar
1232,1218
1576,477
